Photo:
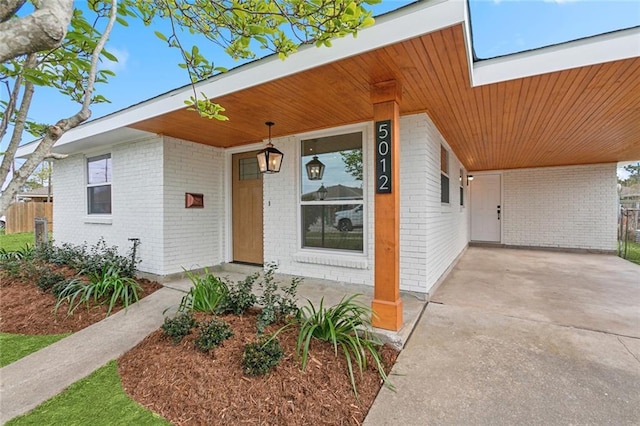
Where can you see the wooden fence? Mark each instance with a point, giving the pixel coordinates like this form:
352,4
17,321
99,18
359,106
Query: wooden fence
21,216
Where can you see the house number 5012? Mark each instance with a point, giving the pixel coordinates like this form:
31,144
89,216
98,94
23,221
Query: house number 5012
383,157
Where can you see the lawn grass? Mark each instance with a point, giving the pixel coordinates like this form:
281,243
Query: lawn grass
13,242
16,346
633,252
96,400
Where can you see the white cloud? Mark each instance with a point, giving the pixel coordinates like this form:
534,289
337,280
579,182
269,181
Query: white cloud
123,57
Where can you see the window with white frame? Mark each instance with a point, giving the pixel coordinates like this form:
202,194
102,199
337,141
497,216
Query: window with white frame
444,175
462,187
99,184
332,209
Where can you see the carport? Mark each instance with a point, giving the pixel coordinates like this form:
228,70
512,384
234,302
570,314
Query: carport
523,337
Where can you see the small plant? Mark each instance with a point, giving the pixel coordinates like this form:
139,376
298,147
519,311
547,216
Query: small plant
11,266
207,294
275,305
48,279
109,287
240,296
179,326
260,357
211,334
345,325
24,253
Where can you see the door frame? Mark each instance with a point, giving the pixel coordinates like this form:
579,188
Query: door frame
227,250
502,209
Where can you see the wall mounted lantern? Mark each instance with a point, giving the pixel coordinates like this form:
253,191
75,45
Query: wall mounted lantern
322,192
315,169
269,159
469,179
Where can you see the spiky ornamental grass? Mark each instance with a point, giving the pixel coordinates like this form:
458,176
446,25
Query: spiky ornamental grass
347,326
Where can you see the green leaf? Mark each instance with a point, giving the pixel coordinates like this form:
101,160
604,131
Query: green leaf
160,36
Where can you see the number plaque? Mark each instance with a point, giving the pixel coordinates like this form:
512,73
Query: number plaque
383,156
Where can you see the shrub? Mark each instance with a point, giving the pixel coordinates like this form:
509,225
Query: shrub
240,296
109,287
207,294
59,287
88,260
179,326
345,325
275,305
47,279
211,334
260,357
11,266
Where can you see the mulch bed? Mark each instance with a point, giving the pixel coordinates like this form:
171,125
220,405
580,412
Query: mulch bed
189,387
25,309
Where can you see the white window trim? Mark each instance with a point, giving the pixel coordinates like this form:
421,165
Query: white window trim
330,256
447,173
102,218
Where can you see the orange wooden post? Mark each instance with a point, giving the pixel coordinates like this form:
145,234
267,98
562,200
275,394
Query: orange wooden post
387,304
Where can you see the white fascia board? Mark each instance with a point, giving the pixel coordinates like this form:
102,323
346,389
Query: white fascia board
406,23
609,47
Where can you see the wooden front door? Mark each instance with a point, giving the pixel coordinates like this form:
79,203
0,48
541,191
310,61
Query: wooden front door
247,209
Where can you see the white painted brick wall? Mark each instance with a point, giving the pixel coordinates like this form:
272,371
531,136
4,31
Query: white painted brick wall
563,207
193,238
431,235
136,201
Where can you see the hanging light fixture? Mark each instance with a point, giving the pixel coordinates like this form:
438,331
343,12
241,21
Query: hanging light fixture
322,192
269,159
315,169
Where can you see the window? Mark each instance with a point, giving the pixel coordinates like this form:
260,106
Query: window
333,218
444,175
99,184
462,187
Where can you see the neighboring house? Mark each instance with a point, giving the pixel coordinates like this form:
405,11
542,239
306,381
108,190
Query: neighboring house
40,195
540,132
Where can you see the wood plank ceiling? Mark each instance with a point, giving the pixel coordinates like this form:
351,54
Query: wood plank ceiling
579,116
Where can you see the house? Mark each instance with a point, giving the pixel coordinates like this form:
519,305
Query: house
37,195
518,151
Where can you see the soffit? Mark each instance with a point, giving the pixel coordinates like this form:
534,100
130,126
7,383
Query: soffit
578,116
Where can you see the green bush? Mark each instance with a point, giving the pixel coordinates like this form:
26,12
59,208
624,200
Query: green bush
346,325
47,279
211,334
260,357
277,303
207,294
108,287
179,326
240,296
88,260
11,266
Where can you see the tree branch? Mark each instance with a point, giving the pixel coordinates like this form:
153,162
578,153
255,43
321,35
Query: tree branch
43,29
18,126
8,8
55,132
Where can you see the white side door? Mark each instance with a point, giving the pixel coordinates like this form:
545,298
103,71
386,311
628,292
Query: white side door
485,208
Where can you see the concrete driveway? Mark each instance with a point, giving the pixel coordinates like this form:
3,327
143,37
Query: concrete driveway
523,337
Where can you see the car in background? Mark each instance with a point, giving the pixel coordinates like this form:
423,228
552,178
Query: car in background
346,220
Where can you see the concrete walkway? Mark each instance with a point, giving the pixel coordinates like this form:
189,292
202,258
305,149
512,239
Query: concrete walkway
32,380
523,337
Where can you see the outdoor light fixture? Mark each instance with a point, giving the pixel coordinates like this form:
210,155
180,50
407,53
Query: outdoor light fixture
469,179
322,192
269,159
315,169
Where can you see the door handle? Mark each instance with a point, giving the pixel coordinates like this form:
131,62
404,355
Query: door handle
498,212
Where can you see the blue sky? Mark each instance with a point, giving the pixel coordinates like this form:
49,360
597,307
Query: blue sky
147,68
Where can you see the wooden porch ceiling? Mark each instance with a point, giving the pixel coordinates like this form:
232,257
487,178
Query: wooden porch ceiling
579,116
